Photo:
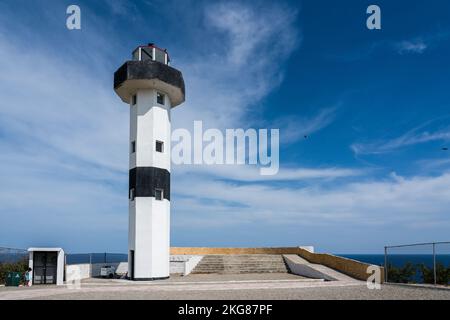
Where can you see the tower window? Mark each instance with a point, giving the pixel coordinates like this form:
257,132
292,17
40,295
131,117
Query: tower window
133,146
159,194
159,146
134,100
132,195
146,54
160,98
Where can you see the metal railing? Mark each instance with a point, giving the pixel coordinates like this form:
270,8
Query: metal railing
424,263
14,255
94,258
96,261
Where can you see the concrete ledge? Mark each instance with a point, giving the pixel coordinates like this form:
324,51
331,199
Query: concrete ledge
418,285
352,268
149,279
191,263
301,267
183,264
152,75
208,250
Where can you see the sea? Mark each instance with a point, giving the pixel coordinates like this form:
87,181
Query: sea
399,260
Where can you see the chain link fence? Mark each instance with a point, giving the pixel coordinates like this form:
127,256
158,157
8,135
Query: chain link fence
421,263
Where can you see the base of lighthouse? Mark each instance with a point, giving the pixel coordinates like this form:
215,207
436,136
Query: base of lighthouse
149,239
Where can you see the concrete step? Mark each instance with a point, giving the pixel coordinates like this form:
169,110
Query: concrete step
236,264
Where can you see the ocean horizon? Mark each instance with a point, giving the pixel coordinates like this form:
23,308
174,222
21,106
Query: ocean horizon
397,260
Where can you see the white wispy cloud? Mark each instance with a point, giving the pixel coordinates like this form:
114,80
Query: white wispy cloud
232,76
422,43
251,39
294,127
411,46
415,136
121,7
409,201
251,173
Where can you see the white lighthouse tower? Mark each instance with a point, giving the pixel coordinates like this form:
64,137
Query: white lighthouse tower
152,88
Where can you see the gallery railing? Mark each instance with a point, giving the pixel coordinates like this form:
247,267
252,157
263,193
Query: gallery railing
419,263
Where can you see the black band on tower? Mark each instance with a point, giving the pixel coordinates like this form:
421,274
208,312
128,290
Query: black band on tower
144,181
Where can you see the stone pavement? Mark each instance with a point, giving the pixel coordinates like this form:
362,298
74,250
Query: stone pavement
213,286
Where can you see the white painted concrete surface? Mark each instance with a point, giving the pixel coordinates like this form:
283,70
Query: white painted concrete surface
191,263
179,264
149,219
78,272
302,267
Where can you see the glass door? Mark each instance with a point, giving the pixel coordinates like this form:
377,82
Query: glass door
44,267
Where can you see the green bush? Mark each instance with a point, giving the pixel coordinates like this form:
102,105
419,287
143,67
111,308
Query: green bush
21,266
410,272
442,274
404,274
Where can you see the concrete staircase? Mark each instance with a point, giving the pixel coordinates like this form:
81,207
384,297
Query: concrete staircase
241,263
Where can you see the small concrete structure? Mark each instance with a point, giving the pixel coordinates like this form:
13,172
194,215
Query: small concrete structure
47,265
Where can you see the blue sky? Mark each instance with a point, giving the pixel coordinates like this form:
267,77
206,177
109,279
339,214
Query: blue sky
375,105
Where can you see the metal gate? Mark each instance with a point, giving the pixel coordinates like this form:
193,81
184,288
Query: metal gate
44,267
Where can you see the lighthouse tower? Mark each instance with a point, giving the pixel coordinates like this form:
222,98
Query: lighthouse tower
152,88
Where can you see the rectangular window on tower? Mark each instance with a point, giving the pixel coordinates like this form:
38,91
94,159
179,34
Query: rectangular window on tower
132,195
133,146
159,146
159,194
160,98
134,100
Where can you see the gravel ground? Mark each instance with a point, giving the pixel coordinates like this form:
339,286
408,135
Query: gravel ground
206,277
233,287
388,292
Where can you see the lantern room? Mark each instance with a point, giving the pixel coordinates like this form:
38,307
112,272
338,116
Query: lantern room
151,52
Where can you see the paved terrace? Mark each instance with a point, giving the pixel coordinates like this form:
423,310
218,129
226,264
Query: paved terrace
214,286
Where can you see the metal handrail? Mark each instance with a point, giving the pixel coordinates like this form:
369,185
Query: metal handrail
417,244
412,245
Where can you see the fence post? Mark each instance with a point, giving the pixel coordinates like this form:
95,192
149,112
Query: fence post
90,265
434,263
385,265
